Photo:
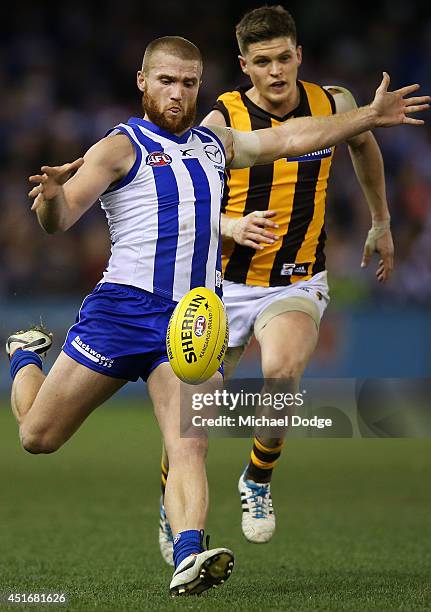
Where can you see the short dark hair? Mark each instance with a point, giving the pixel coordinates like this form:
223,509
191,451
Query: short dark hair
175,45
264,23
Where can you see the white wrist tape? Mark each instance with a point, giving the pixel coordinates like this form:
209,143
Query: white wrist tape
378,229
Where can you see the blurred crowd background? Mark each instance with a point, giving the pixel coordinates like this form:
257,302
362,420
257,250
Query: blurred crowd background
67,74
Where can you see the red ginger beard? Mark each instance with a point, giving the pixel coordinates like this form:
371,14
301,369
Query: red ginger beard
174,124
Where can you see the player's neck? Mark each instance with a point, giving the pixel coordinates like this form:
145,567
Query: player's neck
280,109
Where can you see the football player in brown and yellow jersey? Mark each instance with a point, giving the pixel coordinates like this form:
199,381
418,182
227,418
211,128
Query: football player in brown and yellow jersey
273,226
275,281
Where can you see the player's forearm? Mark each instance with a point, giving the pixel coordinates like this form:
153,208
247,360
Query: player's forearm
299,136
308,134
53,214
369,168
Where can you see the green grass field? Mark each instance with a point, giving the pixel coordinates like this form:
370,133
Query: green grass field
354,522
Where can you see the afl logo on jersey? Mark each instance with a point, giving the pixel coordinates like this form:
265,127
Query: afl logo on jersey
200,326
158,158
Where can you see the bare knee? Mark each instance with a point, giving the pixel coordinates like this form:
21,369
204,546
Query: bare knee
38,442
285,368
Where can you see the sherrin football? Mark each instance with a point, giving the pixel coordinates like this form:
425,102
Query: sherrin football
197,336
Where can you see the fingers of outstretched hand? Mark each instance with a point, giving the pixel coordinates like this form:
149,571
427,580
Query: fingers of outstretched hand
384,83
38,178
51,170
417,100
76,164
35,191
37,202
411,121
408,89
65,169
418,108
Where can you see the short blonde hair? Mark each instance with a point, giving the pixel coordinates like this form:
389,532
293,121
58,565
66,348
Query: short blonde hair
175,45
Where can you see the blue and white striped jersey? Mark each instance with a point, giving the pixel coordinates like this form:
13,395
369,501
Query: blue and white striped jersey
164,216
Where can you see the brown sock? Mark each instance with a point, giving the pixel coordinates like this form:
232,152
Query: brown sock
262,461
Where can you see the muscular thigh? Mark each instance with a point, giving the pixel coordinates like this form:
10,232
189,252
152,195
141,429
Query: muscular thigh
69,393
287,343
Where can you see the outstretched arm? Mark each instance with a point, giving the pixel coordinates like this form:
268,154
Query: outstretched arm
368,165
64,193
307,134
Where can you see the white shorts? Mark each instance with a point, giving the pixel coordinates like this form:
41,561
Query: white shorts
250,307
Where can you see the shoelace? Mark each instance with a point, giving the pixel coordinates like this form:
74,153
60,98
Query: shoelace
259,499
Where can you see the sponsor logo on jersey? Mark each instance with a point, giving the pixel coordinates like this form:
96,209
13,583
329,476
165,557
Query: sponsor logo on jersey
158,158
90,353
293,269
200,326
316,155
213,153
218,279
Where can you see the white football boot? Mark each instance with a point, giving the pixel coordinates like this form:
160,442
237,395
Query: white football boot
166,540
36,339
199,572
258,518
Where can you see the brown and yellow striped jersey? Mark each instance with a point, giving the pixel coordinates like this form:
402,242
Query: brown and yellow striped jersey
294,187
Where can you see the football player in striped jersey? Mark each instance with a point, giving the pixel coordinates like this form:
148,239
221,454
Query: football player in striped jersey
275,279
273,225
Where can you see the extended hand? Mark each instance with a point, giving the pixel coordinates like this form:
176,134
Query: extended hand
252,229
379,240
393,108
51,181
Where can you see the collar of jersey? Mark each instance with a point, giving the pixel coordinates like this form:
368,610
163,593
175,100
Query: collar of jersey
160,131
299,111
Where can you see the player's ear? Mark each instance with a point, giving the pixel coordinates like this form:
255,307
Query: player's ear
243,64
140,80
299,54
